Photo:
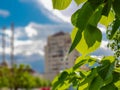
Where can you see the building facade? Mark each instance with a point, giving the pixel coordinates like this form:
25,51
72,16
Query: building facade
56,58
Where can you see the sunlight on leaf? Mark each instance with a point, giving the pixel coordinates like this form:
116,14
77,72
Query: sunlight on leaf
79,1
90,23
117,84
107,20
94,37
83,87
61,4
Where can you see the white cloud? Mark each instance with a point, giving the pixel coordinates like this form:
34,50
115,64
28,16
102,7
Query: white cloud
103,50
4,13
104,44
8,32
7,50
102,28
18,32
44,30
47,4
37,35
35,38
63,14
97,57
22,42
31,32
30,47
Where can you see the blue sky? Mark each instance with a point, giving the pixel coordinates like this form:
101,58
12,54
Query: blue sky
34,21
21,13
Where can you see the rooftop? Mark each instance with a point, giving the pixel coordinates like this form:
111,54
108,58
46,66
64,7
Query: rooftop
58,34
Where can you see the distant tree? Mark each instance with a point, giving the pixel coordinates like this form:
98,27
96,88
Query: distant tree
3,79
20,77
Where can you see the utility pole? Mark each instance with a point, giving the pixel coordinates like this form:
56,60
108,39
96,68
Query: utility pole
3,45
12,45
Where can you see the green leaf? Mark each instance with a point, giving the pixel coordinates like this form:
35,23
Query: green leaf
111,59
107,8
96,16
76,37
115,27
96,83
116,79
79,62
90,36
92,61
117,69
117,84
83,87
97,2
106,20
106,70
61,82
81,17
116,7
79,1
87,59
116,76
87,81
61,4
110,86
88,21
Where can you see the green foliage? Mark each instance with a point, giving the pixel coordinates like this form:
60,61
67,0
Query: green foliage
106,20
94,35
79,1
86,20
115,26
20,77
86,38
61,4
116,7
114,40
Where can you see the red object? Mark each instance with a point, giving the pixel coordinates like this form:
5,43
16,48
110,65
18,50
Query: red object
43,88
47,88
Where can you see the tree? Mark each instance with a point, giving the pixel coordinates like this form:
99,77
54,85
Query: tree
86,38
20,77
3,80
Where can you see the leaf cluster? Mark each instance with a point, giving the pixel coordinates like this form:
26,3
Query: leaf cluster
86,38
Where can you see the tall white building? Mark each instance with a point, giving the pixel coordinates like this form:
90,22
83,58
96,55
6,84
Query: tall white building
55,54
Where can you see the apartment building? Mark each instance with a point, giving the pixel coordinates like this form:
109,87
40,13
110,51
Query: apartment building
56,58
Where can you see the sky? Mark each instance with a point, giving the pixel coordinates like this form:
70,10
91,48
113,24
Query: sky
34,21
